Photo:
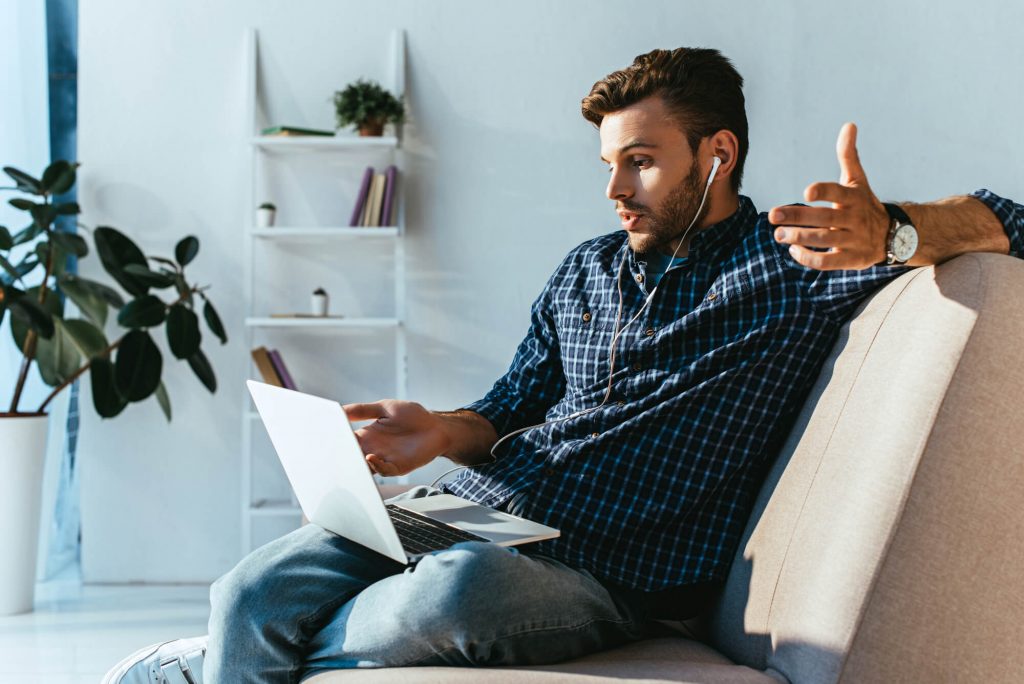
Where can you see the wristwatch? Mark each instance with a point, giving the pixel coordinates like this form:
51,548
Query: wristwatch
901,243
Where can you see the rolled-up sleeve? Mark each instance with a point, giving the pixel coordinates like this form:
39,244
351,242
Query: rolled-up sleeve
535,381
1010,214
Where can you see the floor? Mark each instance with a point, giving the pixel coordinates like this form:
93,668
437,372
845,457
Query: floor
78,632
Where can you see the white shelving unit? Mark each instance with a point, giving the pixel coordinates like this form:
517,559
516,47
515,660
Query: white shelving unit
281,513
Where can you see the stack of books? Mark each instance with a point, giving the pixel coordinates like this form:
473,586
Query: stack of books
291,131
272,368
375,204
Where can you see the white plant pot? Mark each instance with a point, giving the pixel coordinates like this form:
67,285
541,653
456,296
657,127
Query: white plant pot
265,217
22,452
318,305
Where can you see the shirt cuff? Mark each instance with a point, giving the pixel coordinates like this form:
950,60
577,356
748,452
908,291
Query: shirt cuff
1011,215
494,412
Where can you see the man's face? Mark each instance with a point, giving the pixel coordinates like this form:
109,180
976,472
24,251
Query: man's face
656,181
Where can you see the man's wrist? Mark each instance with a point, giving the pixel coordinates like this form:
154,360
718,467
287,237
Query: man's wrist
467,436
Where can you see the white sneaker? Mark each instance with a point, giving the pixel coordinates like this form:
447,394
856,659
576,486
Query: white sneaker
172,662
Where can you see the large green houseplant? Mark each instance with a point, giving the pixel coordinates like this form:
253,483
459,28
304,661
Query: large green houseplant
34,287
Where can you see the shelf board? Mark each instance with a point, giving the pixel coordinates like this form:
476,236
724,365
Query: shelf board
325,233
312,143
274,507
263,322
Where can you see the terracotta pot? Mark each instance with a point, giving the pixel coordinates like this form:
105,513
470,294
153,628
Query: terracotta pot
372,128
23,440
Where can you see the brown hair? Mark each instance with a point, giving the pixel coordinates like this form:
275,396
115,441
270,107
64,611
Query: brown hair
700,87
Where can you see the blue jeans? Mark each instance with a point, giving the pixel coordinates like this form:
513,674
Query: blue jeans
313,601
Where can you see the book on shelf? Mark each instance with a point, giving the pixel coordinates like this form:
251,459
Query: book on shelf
373,218
387,212
266,367
289,131
282,370
364,191
364,219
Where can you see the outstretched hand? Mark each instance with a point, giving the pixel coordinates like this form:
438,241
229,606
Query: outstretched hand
402,437
854,228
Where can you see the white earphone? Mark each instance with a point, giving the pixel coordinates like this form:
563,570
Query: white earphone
715,163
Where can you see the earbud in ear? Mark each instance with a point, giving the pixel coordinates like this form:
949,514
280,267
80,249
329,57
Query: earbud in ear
715,163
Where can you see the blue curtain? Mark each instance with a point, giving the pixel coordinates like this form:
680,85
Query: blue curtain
64,554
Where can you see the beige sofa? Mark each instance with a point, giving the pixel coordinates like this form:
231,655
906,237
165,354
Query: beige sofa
888,543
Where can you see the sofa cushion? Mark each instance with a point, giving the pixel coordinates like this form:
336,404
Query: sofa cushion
650,661
883,543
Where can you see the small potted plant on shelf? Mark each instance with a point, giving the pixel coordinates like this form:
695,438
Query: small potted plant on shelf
34,285
318,302
367,106
265,215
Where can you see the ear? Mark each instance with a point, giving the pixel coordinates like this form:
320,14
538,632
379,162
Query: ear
725,146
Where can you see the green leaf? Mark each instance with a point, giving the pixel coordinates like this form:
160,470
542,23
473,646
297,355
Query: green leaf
68,209
6,241
186,250
85,298
26,311
27,234
138,366
149,277
105,395
143,312
164,400
182,331
203,370
108,294
88,339
116,251
71,243
59,177
58,358
43,215
213,321
23,204
25,182
9,267
42,252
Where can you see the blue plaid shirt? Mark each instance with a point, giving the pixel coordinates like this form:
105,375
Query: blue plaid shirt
653,490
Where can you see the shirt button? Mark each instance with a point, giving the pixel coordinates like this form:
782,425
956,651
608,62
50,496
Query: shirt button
636,366
639,277
712,296
595,435
620,402
649,332
586,316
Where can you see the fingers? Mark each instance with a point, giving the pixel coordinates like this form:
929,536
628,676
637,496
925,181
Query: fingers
814,217
851,172
357,412
812,237
822,261
831,192
382,467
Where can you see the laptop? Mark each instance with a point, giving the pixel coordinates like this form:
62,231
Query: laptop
335,487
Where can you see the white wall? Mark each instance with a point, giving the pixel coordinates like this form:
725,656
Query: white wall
504,177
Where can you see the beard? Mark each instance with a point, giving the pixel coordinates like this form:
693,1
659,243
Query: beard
668,222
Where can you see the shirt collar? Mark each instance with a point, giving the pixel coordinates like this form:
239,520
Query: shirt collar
714,242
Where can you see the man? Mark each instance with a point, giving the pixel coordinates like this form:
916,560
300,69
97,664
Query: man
661,372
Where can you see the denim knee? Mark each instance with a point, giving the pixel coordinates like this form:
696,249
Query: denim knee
469,573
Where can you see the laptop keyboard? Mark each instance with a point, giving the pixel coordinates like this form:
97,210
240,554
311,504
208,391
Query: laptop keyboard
420,534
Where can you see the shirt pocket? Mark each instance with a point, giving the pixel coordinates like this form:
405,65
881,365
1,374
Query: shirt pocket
583,336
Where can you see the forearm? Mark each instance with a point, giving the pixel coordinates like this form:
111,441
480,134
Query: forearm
470,436
954,226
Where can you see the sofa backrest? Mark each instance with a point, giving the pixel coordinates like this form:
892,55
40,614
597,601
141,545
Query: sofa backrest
888,541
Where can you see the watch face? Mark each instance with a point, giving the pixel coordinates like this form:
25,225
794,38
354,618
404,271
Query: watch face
904,242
